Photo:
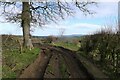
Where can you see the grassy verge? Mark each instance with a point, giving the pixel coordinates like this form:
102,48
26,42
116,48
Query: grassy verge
14,61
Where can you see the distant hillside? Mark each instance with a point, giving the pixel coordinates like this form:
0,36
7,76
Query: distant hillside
65,36
73,35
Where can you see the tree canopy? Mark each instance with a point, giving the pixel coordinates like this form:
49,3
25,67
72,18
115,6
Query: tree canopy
43,12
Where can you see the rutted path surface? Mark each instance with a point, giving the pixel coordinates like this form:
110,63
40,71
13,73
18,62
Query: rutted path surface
56,62
72,64
53,69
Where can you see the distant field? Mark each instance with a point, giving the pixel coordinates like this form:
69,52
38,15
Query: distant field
70,46
69,42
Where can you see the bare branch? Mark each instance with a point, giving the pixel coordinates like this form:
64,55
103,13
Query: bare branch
44,12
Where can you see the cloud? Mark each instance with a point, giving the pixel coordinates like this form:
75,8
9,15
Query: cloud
75,25
106,9
86,25
79,28
102,10
84,0
107,0
8,28
84,28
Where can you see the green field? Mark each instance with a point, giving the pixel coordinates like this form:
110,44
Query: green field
71,46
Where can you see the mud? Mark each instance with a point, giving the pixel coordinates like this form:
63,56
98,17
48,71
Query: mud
56,62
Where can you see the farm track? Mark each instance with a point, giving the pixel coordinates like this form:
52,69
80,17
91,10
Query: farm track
49,61
76,70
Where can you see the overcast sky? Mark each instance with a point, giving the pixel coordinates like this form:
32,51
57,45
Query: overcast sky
106,14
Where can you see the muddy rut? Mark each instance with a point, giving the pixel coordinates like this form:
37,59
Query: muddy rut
56,62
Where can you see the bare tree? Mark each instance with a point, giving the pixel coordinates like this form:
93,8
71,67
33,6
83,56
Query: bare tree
39,13
61,31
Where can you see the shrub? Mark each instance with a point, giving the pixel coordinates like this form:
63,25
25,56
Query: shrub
106,44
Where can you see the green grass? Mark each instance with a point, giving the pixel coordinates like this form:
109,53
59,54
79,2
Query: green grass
50,69
63,69
14,61
70,46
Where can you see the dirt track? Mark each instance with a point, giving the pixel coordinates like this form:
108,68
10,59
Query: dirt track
74,67
56,62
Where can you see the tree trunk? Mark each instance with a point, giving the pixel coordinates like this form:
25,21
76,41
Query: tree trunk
26,23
